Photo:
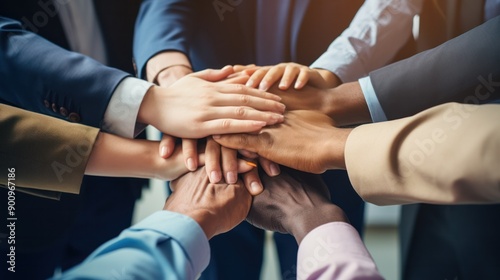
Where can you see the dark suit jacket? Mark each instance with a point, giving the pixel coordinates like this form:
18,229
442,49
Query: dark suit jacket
40,72
194,28
465,70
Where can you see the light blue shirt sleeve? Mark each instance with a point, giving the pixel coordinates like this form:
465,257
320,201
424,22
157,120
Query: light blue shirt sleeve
376,111
165,245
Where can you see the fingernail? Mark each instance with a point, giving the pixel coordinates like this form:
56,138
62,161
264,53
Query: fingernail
216,136
231,177
163,152
282,85
282,107
190,164
275,169
256,187
251,163
260,123
277,118
215,176
298,84
226,67
249,83
263,86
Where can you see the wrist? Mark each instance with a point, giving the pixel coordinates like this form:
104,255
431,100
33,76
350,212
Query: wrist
169,74
347,105
308,219
335,156
146,114
330,78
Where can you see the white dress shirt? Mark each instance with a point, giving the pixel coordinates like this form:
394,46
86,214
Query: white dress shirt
379,29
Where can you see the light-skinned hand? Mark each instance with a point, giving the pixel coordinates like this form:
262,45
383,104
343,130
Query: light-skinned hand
194,107
300,75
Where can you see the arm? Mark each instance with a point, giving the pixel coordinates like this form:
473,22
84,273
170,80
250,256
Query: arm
447,154
464,69
84,88
171,244
416,159
51,154
298,203
377,32
167,43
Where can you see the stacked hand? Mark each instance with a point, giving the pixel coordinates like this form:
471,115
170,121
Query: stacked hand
217,208
306,141
293,203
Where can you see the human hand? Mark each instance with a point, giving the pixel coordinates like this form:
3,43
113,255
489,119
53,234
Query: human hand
264,77
193,107
217,208
306,141
295,203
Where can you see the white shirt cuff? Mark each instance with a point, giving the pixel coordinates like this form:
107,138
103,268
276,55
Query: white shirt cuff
120,117
376,111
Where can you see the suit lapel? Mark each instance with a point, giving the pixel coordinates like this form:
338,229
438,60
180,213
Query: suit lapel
299,12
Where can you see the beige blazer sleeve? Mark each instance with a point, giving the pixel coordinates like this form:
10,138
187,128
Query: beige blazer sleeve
46,153
449,154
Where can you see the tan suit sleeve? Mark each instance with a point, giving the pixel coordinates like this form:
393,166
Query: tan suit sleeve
47,153
449,154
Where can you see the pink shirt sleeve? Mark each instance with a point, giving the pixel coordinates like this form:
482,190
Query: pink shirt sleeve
335,251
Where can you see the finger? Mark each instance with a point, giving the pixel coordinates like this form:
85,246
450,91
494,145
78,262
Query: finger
271,77
238,101
252,182
212,160
245,165
257,76
247,142
190,152
291,72
244,113
229,164
241,89
167,146
272,169
236,79
212,75
228,126
302,79
248,154
239,67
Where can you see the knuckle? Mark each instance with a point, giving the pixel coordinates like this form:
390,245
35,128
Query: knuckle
245,99
240,112
226,124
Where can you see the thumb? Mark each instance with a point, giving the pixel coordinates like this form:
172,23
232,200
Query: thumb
213,75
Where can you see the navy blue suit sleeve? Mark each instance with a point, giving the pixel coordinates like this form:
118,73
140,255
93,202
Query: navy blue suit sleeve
162,25
33,71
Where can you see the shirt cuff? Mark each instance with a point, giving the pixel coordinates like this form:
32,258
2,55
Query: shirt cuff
120,117
332,245
341,59
185,231
376,111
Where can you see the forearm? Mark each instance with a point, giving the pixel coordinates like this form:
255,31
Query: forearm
372,39
80,84
447,155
